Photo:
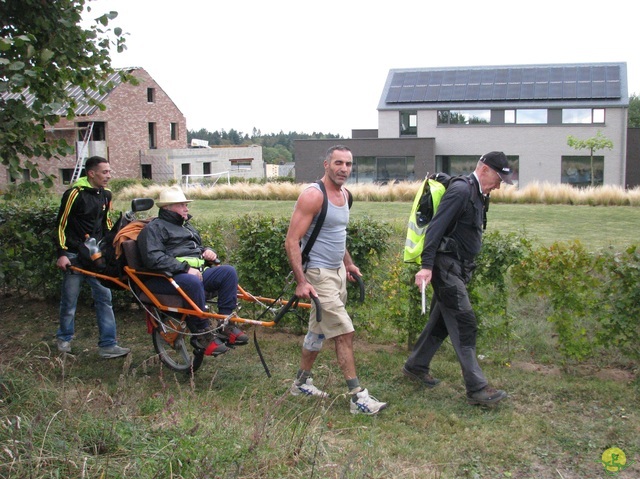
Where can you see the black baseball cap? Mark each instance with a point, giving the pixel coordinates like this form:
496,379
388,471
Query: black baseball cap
497,160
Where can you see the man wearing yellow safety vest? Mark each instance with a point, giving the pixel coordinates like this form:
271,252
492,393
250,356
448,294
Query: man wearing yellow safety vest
453,240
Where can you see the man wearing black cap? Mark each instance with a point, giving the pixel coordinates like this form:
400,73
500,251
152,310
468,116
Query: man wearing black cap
453,240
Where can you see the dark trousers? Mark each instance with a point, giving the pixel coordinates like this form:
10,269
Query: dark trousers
451,315
222,280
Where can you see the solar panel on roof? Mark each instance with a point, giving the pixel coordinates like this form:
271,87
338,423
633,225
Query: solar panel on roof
419,94
433,93
449,77
486,91
555,74
584,74
542,75
569,90
598,89
445,92
459,92
555,90
499,91
513,91
541,90
397,79
473,92
405,95
461,77
499,84
598,74
584,90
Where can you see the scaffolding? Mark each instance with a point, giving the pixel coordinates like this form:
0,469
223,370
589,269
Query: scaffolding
81,156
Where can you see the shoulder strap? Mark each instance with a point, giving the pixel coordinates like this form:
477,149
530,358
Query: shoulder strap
318,226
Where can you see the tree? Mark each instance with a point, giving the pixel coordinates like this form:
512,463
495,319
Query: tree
598,142
43,50
633,120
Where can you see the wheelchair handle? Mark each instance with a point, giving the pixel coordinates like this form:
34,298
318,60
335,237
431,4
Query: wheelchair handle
360,285
291,302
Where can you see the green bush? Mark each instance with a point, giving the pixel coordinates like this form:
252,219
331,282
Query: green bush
27,248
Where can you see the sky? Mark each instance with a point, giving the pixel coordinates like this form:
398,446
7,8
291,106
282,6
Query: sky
295,65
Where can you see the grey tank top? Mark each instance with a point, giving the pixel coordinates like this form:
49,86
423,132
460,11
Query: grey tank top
330,245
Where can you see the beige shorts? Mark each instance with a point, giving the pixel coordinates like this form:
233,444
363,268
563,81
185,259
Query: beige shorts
331,286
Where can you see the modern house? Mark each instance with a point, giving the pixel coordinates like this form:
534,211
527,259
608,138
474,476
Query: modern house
142,133
444,119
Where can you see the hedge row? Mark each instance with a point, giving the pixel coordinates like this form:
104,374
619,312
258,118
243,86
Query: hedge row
594,299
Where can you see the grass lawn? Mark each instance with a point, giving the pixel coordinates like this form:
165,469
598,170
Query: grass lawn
595,226
77,416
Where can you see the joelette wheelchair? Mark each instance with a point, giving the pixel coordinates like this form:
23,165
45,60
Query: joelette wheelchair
166,313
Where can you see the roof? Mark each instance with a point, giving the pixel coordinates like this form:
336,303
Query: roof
78,94
568,85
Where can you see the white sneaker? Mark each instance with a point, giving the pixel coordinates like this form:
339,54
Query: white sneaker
365,404
308,389
64,346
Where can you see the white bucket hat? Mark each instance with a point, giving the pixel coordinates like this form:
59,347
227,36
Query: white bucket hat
170,196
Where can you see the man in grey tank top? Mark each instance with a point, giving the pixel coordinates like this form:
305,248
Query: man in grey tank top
325,277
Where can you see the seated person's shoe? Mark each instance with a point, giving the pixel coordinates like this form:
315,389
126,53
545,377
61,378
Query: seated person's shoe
208,343
233,335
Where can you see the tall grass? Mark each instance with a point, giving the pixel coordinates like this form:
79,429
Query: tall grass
533,193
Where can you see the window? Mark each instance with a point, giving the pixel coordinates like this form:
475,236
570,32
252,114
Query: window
531,117
582,115
173,128
464,117
577,170
465,164
408,123
151,95
186,168
241,164
66,174
98,130
152,136
146,172
509,117
206,168
369,169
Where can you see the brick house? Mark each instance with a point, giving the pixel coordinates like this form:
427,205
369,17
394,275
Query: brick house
143,134
137,118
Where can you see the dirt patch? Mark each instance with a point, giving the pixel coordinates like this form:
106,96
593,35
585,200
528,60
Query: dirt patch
605,374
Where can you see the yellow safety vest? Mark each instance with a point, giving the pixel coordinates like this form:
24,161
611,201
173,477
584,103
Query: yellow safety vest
414,244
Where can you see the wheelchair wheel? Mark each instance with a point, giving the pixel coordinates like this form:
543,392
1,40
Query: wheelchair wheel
176,357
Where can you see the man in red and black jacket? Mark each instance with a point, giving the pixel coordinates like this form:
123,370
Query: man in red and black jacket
84,210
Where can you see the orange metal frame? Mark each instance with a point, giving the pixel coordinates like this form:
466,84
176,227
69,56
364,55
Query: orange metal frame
193,309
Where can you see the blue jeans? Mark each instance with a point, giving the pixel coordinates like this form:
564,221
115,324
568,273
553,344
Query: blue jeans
71,283
222,280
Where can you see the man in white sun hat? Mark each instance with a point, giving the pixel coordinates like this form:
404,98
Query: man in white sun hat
169,243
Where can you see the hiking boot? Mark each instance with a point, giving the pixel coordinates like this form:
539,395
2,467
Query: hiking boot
307,388
423,378
362,403
209,344
233,336
64,346
486,396
114,351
